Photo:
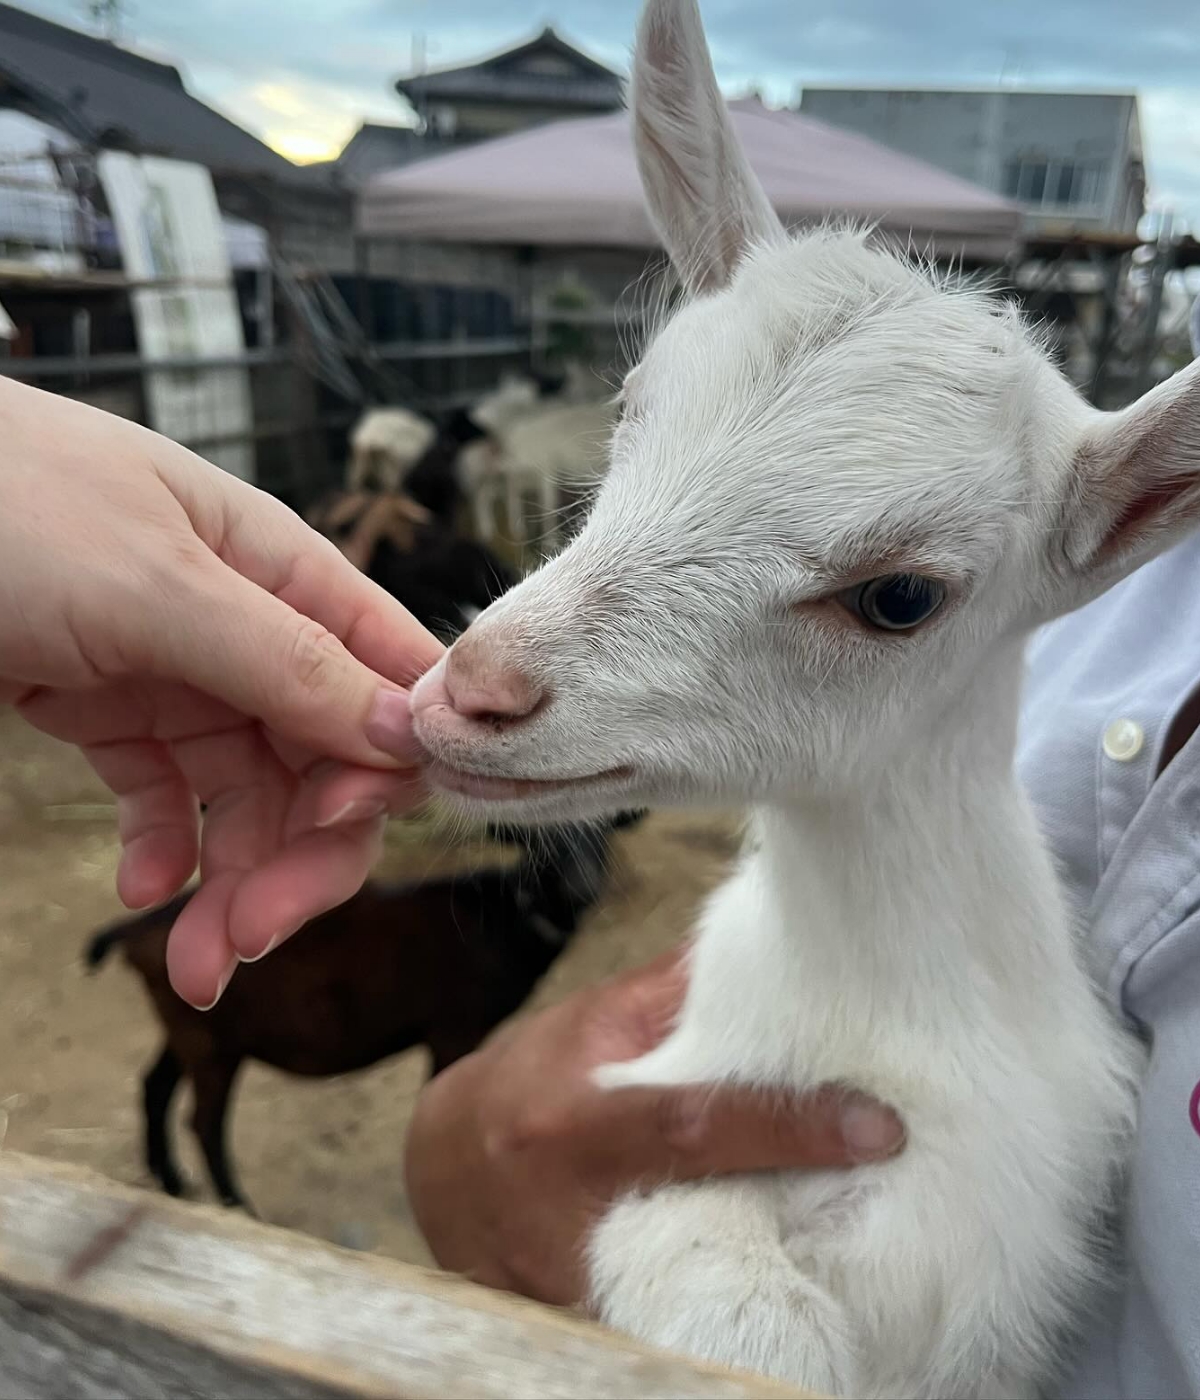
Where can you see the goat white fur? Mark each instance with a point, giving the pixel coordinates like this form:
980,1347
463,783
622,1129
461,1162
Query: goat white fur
818,413
535,446
384,444
514,396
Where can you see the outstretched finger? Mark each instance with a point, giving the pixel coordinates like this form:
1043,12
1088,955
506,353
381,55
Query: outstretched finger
157,819
343,795
200,957
264,542
689,1131
310,876
229,638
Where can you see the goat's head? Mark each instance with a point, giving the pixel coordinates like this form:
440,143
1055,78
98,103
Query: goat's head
515,395
839,491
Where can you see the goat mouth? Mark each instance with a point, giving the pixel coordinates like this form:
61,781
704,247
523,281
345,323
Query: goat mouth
483,787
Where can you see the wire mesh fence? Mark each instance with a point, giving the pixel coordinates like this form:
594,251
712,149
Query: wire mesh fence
319,349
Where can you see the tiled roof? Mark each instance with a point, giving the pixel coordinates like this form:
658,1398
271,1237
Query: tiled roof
513,76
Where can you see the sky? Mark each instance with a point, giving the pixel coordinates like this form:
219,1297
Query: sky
302,74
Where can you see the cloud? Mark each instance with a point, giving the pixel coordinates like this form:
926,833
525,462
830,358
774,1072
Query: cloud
342,56
1171,122
302,119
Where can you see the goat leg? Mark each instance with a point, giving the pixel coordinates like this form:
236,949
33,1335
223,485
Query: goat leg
158,1089
212,1083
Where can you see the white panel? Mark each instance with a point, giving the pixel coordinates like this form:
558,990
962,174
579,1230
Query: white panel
170,231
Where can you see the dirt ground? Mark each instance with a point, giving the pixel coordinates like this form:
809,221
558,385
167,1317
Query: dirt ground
320,1156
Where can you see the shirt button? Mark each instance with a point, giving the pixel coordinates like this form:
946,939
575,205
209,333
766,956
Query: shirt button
1123,740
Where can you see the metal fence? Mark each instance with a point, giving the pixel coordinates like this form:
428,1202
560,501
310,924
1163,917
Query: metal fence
430,329
319,349
300,425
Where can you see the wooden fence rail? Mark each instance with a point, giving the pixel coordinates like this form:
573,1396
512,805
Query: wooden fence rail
109,1292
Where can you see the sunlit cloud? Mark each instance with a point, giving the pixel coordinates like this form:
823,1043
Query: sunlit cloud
304,121
303,147
280,99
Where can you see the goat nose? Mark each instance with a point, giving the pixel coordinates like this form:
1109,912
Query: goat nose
481,687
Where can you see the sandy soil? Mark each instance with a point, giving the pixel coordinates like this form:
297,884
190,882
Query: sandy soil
320,1156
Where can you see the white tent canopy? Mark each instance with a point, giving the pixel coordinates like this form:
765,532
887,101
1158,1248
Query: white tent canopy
575,183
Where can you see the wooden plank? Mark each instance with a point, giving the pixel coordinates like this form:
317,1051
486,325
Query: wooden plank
106,1291
53,1346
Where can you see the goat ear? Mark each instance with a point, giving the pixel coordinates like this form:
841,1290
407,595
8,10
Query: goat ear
704,199
1136,482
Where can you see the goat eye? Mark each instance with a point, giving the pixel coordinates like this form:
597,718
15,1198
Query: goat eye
896,602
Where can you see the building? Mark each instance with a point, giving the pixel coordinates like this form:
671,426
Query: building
540,81
377,146
1073,159
104,97
75,320
107,97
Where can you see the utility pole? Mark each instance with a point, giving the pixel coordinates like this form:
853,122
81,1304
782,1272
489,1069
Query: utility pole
1163,259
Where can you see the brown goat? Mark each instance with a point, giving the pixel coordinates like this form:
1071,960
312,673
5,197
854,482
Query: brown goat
439,964
358,521
444,579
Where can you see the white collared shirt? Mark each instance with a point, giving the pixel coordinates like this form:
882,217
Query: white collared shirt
1103,687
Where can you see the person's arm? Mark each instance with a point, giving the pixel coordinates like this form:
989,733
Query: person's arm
513,1153
201,645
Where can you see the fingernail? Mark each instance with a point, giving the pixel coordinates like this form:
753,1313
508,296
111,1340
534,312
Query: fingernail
870,1132
284,933
389,725
221,985
362,809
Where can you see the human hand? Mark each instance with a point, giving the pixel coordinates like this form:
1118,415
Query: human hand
514,1153
201,645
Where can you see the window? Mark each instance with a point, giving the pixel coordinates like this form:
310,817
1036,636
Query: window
1089,176
547,65
1054,184
1060,193
443,120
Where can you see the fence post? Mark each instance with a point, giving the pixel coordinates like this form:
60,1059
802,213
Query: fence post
105,1291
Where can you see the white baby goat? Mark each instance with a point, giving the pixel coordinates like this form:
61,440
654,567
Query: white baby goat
840,497
536,446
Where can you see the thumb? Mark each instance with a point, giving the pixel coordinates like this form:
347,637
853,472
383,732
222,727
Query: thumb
228,637
696,1130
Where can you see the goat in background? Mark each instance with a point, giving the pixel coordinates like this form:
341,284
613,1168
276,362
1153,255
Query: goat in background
385,443
439,963
441,577
530,437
